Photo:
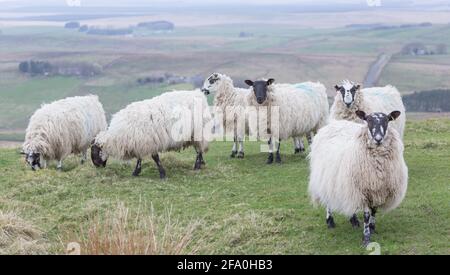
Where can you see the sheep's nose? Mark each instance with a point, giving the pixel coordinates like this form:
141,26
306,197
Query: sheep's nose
206,91
260,100
378,138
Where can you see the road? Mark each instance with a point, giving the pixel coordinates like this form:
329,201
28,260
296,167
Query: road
375,70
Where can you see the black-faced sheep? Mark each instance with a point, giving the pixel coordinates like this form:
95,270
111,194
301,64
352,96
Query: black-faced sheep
63,127
351,98
358,167
171,121
302,109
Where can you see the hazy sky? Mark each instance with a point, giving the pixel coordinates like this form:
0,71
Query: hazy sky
147,2
196,2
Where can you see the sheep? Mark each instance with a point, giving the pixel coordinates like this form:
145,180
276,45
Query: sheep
232,101
303,109
172,121
358,167
350,98
63,127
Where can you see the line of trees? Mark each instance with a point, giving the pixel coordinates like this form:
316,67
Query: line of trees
428,101
46,68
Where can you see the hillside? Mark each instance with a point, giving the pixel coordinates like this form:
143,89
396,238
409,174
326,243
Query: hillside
237,206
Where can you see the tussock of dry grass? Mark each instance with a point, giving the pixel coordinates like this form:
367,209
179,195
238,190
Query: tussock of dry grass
122,232
18,236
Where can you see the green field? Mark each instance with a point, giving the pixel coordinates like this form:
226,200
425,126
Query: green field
288,53
239,206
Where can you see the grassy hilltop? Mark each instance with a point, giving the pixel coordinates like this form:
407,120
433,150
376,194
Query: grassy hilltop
232,206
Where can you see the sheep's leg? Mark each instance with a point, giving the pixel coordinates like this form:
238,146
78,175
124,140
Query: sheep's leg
372,220
138,168
309,137
354,221
299,146
366,232
83,157
270,158
198,161
59,166
330,220
234,150
202,161
241,149
162,172
278,156
44,163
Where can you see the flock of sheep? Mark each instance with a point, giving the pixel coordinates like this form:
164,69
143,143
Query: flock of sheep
356,158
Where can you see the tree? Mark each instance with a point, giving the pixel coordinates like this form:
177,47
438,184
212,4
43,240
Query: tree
441,49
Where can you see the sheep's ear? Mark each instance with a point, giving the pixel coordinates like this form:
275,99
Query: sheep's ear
358,87
270,81
337,88
22,152
249,82
394,115
361,114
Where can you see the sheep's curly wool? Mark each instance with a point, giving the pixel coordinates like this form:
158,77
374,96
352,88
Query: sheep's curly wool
371,100
65,126
303,108
232,103
149,127
349,173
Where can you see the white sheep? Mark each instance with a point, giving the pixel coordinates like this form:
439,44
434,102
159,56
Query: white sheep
358,167
232,101
63,127
303,109
171,121
350,98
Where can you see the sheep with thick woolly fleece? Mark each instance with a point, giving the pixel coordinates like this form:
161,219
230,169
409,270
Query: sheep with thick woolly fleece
358,167
171,121
350,98
63,127
230,101
302,108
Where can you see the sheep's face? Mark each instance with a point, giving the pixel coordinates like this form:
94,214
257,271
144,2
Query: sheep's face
260,89
211,84
377,124
34,160
99,159
348,92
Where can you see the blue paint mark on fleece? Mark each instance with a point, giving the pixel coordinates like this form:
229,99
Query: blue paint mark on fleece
307,89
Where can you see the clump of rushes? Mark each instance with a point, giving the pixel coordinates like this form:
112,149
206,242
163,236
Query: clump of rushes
122,232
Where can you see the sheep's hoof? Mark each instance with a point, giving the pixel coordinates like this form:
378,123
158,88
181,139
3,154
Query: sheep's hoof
135,174
270,159
278,159
197,166
59,169
233,154
299,150
354,221
162,175
330,223
240,155
82,161
366,241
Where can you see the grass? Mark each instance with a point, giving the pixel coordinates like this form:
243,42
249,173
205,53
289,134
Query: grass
241,206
